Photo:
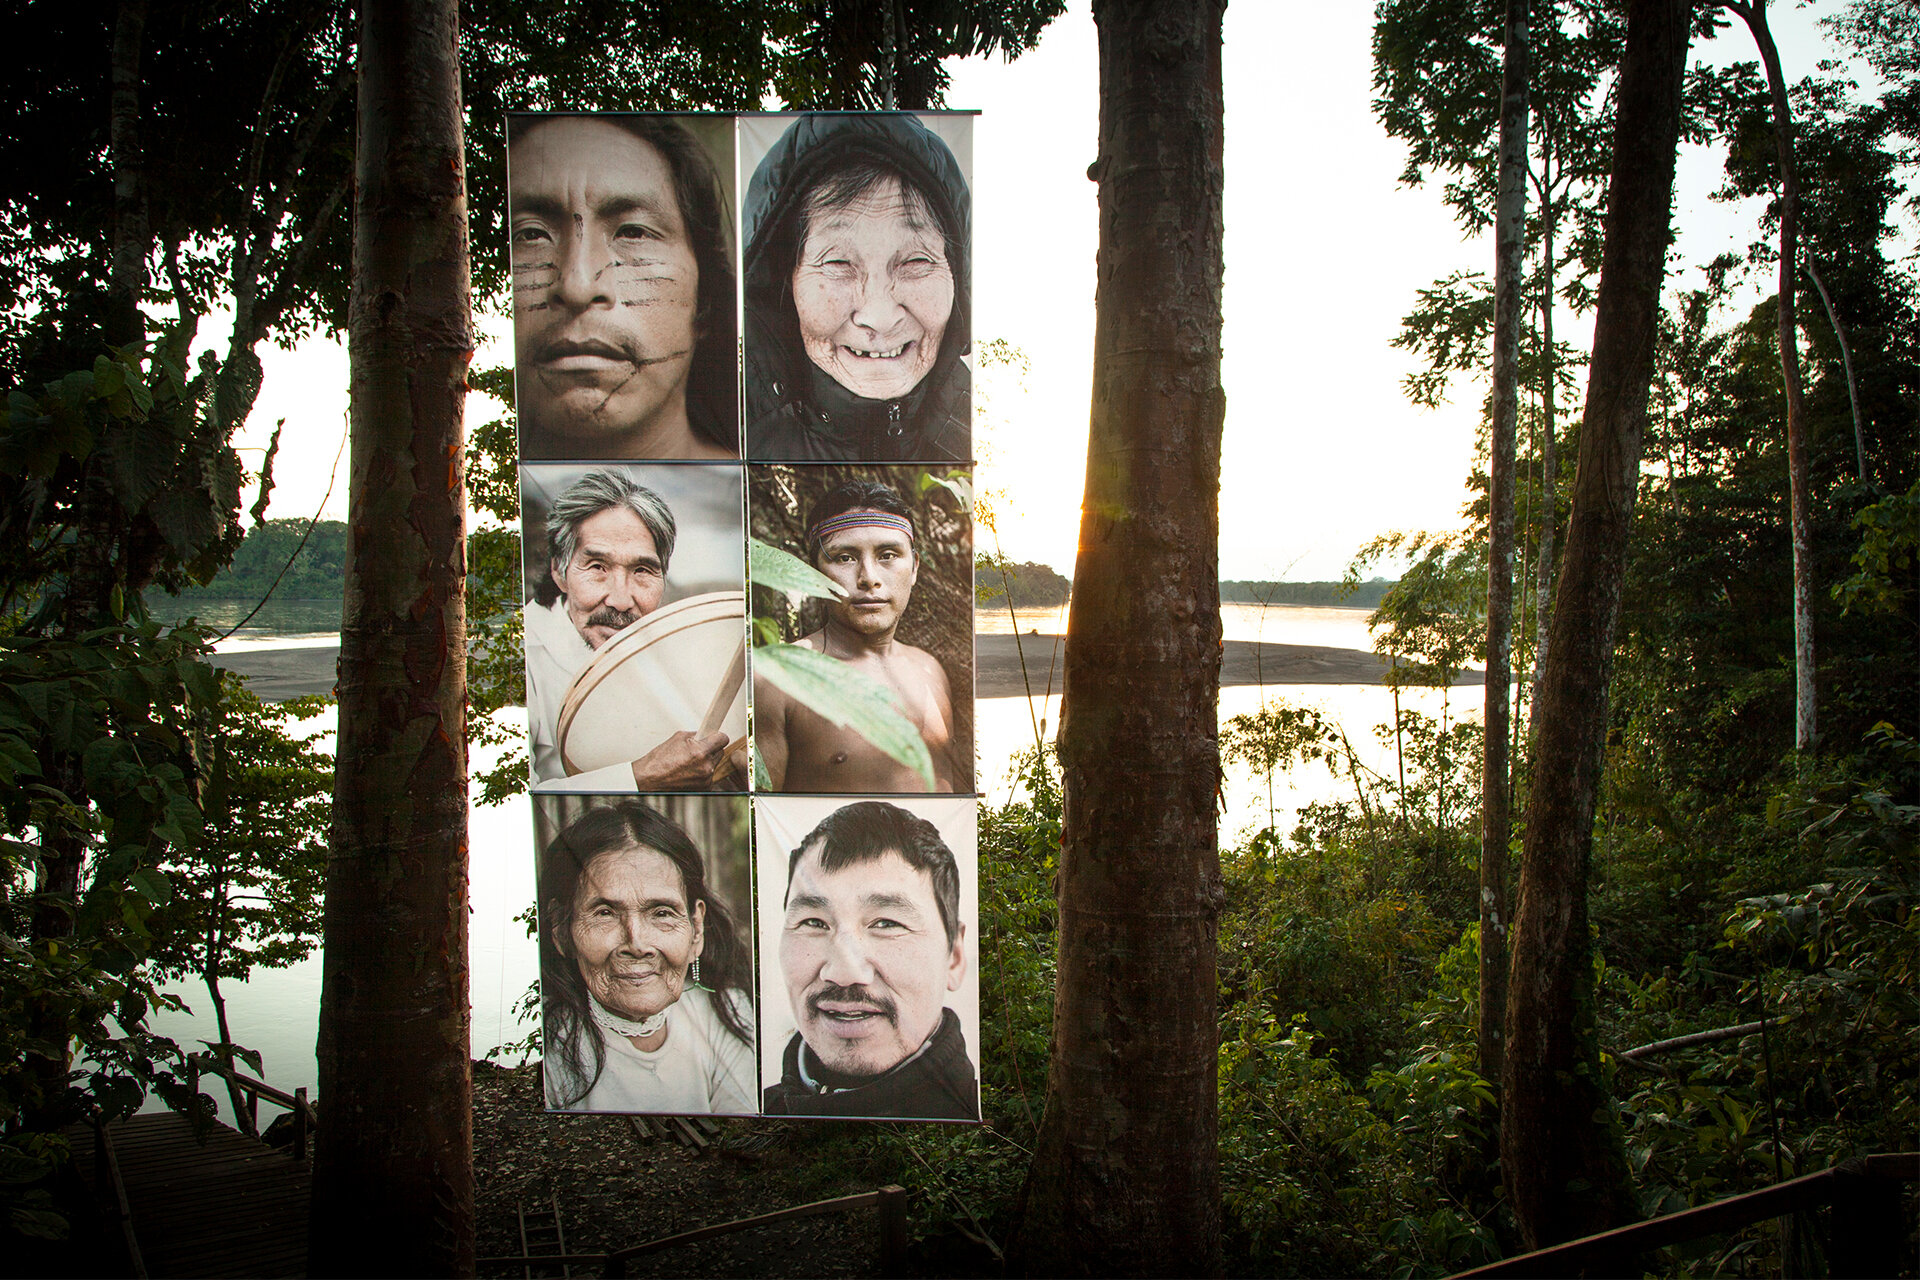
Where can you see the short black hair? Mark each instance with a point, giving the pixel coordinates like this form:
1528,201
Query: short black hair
853,495
870,829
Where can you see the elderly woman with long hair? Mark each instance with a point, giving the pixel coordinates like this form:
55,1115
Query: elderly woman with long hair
644,976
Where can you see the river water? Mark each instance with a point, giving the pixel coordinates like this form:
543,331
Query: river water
277,1011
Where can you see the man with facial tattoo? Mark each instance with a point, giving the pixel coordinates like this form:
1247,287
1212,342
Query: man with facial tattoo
623,300
609,541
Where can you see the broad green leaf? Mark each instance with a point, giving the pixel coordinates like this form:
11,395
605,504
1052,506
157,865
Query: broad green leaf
769,566
844,696
959,484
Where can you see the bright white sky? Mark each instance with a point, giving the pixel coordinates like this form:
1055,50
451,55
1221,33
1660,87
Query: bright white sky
1324,253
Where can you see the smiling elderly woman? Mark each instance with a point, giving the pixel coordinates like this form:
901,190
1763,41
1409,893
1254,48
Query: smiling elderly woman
857,295
643,976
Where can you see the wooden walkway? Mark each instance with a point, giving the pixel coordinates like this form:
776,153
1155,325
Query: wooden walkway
231,1207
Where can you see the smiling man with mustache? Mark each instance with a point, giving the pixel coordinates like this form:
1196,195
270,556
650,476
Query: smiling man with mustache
609,540
870,945
623,313
860,535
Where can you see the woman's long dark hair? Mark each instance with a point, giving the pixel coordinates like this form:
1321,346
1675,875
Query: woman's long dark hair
726,964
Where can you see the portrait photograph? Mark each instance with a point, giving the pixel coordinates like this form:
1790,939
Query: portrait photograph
857,235
869,957
624,262
894,546
646,959
635,626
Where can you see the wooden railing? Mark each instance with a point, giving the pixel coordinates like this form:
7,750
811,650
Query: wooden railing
112,1190
1864,1237
296,1102
891,1201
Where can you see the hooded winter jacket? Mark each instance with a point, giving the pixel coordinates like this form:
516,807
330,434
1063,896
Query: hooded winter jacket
796,412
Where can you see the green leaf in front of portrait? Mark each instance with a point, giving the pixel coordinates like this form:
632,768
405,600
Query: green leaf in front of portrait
835,691
769,566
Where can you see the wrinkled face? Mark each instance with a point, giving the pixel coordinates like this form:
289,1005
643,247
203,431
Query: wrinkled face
615,577
866,960
874,290
876,567
632,934
605,286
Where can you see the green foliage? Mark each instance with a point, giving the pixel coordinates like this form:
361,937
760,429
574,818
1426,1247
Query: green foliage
248,893
846,698
295,558
98,753
1025,584
116,479
496,659
1358,595
1889,552
1432,622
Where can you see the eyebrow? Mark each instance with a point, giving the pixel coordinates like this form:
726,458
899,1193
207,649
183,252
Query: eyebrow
894,902
897,541
545,206
585,552
647,905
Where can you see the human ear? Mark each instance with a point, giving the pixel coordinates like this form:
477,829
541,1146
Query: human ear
699,928
957,959
559,579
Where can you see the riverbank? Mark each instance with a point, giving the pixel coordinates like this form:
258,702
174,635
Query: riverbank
1005,666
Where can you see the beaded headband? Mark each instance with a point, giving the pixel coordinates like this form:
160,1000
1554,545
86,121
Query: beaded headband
860,518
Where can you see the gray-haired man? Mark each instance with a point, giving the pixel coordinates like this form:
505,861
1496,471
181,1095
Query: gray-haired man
609,541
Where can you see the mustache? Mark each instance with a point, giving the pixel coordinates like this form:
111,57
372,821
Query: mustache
853,995
618,619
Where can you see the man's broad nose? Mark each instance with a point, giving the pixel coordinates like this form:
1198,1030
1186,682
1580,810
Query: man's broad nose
847,964
582,275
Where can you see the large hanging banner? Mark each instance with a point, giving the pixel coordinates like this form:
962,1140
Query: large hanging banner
741,352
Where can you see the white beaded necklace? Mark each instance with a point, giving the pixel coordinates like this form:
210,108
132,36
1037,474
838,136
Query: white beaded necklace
620,1026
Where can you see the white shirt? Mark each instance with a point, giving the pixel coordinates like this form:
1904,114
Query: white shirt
702,1069
556,652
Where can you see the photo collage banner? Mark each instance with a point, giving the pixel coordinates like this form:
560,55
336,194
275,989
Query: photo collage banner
741,349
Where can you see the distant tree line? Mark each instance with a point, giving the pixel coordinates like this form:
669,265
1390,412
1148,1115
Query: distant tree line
1364,595
317,571
1038,586
1032,586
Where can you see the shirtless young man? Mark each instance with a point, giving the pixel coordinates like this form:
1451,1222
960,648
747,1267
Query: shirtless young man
861,536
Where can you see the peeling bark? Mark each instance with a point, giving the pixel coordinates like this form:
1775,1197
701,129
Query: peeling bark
393,1155
1125,1180
1561,1158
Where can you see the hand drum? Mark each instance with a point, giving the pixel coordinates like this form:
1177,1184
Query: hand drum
683,666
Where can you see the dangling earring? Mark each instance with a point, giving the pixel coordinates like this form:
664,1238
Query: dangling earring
693,972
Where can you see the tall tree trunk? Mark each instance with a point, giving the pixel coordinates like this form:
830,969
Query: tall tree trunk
132,236
1846,362
1510,253
1549,459
1126,1177
1561,1159
1805,704
393,1179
